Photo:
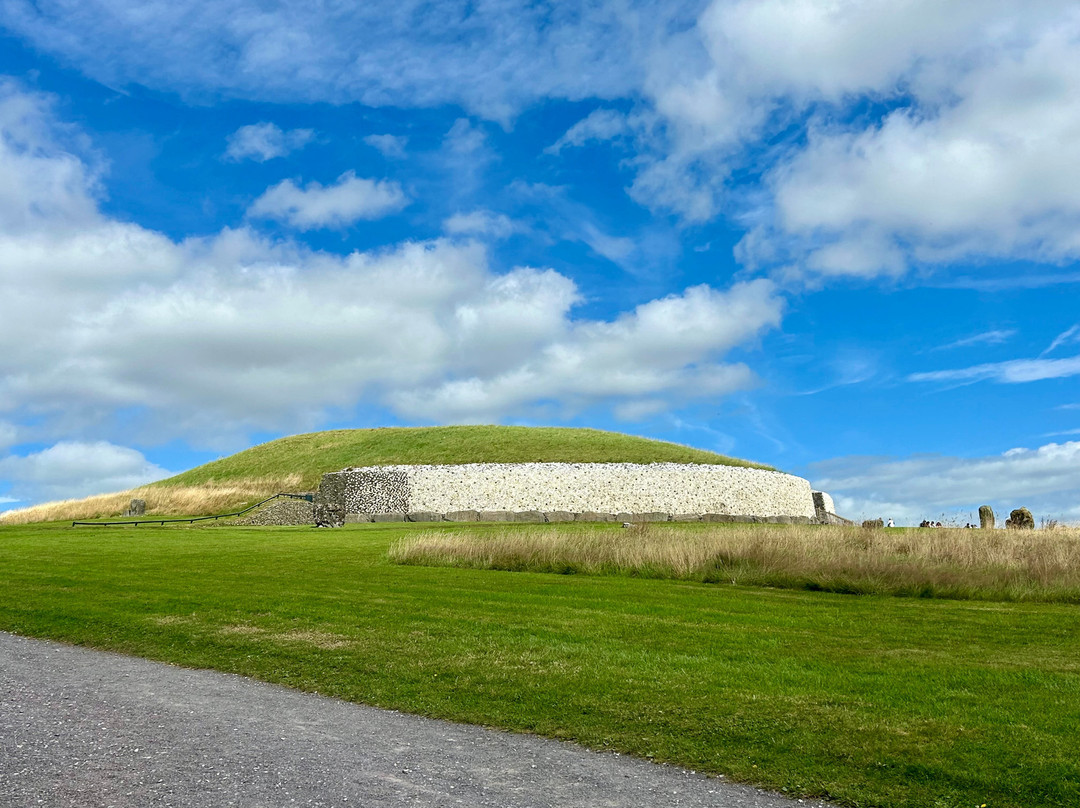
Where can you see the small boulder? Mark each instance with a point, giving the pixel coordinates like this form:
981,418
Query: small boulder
874,523
1020,519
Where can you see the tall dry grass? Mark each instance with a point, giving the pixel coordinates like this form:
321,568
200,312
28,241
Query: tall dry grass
180,500
937,562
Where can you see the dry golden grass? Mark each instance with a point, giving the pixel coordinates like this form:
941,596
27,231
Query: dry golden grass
180,500
933,562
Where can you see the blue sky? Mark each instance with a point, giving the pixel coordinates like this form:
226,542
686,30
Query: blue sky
839,238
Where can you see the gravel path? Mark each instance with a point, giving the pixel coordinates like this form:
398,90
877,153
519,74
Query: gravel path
86,728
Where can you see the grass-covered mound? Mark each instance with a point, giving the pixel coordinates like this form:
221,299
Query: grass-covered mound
297,463
312,455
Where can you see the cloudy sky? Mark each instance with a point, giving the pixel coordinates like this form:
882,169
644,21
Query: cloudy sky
838,237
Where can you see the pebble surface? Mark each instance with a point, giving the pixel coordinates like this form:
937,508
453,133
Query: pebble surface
575,488
82,728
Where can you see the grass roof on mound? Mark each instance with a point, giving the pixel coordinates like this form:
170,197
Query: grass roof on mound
313,454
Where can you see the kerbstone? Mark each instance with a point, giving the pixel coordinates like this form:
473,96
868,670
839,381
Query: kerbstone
388,517
717,517
558,516
593,516
652,516
462,516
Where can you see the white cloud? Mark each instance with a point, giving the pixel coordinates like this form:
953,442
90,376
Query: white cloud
975,157
1066,337
982,160
1014,371
265,141
349,199
392,146
481,223
44,183
664,347
72,469
210,337
600,124
8,435
925,486
995,337
501,56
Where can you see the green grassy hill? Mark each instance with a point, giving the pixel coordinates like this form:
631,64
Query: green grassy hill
298,463
313,454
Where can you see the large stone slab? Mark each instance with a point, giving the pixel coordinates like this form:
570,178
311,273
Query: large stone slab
423,516
593,516
462,516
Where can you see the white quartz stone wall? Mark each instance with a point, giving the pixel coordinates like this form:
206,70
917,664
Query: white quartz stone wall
830,506
673,488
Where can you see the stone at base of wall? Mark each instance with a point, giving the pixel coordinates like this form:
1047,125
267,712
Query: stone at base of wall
593,516
832,519
558,516
537,517
423,516
387,517
462,516
511,516
654,516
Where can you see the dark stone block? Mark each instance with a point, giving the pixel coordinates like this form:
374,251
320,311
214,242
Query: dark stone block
423,516
651,516
462,516
593,516
717,517
527,516
387,517
558,516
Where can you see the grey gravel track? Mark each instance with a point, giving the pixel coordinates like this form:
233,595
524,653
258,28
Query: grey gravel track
86,728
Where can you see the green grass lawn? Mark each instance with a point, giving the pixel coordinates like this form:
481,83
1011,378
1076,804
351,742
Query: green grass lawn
868,700
313,454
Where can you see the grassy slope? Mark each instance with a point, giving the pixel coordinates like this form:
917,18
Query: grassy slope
316,453
297,463
890,702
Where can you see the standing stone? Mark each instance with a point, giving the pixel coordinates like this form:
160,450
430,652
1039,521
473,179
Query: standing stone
1020,519
986,517
137,507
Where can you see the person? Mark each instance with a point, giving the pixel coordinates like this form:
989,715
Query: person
890,523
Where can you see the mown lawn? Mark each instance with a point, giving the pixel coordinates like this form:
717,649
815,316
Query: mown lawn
868,700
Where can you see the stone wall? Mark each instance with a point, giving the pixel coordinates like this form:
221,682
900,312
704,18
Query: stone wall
565,491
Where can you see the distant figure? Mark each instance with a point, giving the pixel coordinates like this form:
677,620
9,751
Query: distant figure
890,524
